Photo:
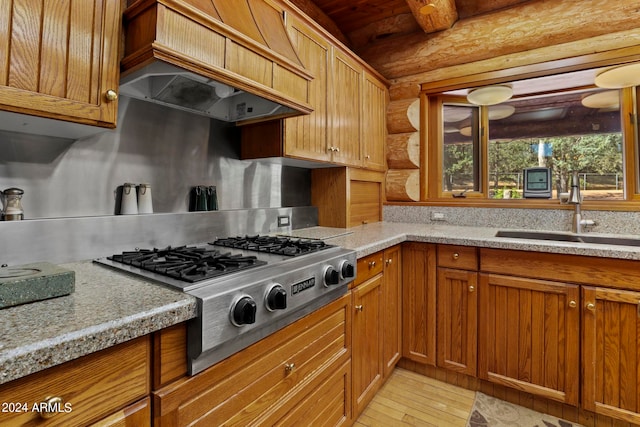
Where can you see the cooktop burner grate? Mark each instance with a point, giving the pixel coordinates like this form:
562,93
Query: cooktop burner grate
274,244
188,263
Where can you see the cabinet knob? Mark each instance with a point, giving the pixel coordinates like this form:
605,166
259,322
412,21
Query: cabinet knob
372,264
367,157
330,149
472,288
572,304
50,406
111,95
289,367
337,149
456,255
389,261
591,306
359,307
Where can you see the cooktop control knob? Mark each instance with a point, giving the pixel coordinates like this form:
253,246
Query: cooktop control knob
347,270
276,298
244,311
331,276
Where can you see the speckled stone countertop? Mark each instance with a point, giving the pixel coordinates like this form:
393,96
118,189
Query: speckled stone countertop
107,308
370,238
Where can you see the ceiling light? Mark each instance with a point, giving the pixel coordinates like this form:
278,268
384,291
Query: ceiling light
466,131
490,95
619,77
497,112
608,100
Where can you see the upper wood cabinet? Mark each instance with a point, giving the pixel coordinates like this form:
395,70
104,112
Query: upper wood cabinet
60,59
348,124
374,123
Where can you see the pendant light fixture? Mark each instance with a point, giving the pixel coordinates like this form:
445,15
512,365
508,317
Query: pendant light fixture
619,77
490,95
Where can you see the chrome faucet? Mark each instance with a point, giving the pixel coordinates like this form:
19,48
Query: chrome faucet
575,199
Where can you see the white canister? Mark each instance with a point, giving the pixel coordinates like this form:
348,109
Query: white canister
129,202
145,204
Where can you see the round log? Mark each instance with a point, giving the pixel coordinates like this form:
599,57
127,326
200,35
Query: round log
403,185
403,150
403,116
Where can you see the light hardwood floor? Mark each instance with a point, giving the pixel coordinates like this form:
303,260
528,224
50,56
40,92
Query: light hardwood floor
410,399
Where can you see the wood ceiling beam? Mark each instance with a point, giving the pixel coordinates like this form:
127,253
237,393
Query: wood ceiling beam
434,15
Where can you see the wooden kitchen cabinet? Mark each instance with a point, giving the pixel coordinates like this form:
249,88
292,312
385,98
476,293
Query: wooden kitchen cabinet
106,388
346,120
529,335
419,302
391,309
347,197
374,123
302,371
61,59
457,309
611,352
377,327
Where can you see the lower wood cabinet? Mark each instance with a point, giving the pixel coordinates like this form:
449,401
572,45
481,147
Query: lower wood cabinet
457,322
377,326
276,381
101,388
529,335
611,352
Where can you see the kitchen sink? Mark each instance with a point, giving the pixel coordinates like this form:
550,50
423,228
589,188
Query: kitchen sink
569,237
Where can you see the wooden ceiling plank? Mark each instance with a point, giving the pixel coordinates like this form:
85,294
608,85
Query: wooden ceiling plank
441,14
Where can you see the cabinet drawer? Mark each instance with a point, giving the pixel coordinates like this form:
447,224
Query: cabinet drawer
136,415
91,387
368,267
461,257
266,379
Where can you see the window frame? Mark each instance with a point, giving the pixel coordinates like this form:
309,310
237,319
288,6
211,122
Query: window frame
432,98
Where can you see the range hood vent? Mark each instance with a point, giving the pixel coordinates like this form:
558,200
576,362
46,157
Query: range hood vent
181,54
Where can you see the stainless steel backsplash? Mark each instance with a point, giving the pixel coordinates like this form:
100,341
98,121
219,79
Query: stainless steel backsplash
69,199
167,148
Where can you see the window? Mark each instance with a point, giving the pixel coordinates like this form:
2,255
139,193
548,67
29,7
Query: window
564,123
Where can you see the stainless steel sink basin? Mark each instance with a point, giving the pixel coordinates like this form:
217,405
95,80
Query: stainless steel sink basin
568,237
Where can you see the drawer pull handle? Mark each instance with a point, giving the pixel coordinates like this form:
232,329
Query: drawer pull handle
572,304
456,255
289,367
359,307
50,406
472,288
591,306
372,264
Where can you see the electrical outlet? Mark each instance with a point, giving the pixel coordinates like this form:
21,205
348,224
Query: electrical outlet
284,221
437,216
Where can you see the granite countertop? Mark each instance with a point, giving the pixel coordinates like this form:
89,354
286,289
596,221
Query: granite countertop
107,308
110,307
370,238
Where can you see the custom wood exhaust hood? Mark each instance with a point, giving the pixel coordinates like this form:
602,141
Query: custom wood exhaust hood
230,60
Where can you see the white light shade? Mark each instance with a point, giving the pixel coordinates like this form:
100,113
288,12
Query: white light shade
498,112
490,95
223,90
466,131
619,77
608,100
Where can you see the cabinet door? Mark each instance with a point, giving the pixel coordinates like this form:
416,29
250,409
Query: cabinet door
345,126
306,136
528,332
367,346
457,304
419,302
60,58
374,123
611,353
391,309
